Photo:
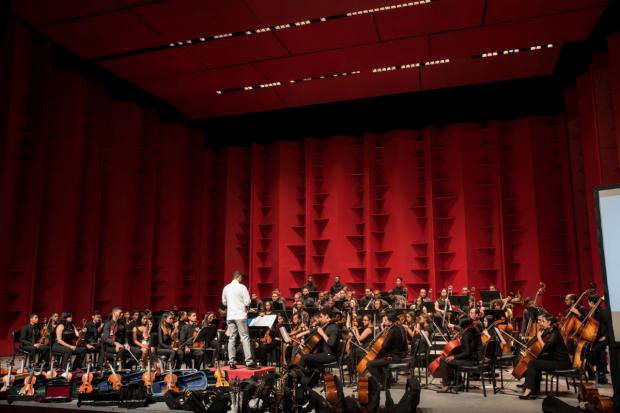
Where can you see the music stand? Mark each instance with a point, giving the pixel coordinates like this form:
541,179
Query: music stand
430,307
497,314
461,301
489,295
314,294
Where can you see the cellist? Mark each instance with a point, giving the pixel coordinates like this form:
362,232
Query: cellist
393,350
597,351
554,355
471,347
327,350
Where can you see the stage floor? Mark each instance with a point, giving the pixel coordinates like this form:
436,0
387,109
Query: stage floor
430,401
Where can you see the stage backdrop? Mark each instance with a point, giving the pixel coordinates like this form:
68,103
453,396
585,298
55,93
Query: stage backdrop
103,204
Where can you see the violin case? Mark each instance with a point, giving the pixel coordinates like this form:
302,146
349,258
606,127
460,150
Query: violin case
39,390
57,390
195,381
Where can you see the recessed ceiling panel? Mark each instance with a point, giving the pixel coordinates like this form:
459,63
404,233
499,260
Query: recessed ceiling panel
439,16
506,10
160,63
461,72
203,83
37,12
344,60
189,19
559,28
332,34
237,50
104,34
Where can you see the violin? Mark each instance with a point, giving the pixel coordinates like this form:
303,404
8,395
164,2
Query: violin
81,341
7,381
51,373
115,379
45,333
28,388
87,382
148,377
171,383
67,374
221,376
267,338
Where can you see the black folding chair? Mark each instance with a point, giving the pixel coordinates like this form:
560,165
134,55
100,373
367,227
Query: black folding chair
485,366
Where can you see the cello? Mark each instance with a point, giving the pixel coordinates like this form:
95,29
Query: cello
307,346
448,350
530,352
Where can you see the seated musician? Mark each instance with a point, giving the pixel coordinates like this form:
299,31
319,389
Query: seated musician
307,300
141,334
377,305
597,352
267,308
188,331
337,287
400,289
554,355
580,311
309,284
530,312
165,340
471,346
327,350
393,350
415,327
113,346
321,301
94,327
256,304
64,336
277,300
299,329
363,336
299,310
29,338
366,300
487,331
396,301
270,342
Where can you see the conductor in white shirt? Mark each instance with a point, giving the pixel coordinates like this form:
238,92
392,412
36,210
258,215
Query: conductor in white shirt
236,298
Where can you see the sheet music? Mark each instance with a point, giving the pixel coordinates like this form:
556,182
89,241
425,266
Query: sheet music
263,321
500,335
284,335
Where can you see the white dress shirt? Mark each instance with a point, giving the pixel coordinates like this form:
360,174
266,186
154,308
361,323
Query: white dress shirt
236,298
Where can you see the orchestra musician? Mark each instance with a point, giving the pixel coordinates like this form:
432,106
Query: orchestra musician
307,300
366,300
400,289
337,287
309,284
141,336
363,336
189,331
111,344
270,342
393,350
94,327
578,310
327,350
256,305
554,355
471,347
64,335
597,351
29,339
166,343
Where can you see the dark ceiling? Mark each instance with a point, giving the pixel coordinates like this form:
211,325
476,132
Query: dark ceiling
212,58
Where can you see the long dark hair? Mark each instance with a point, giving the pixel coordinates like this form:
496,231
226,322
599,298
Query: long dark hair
63,318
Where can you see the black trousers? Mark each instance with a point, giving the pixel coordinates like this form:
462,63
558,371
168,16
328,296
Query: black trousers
536,368
447,369
66,353
42,350
378,368
174,357
596,357
264,350
316,360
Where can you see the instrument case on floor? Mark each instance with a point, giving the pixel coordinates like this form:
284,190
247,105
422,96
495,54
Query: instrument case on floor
57,391
195,381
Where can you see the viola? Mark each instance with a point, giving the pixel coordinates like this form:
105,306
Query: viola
221,376
29,382
87,382
171,383
115,379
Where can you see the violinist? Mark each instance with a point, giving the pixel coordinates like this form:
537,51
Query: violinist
269,342
256,305
597,351
165,343
554,355
111,342
366,300
307,300
363,336
141,333
94,327
327,350
442,305
572,307
29,338
488,330
64,335
393,350
400,289
471,347
299,310
191,330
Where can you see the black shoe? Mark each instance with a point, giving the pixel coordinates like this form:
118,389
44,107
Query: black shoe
232,366
530,396
602,380
251,366
521,385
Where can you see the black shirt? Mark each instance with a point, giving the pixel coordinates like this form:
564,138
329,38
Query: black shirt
331,345
165,341
92,333
471,345
602,317
582,311
364,301
28,335
186,332
110,329
395,343
309,285
335,289
402,291
554,348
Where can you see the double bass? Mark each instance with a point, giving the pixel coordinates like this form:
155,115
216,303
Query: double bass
586,333
571,322
532,327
